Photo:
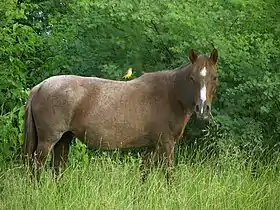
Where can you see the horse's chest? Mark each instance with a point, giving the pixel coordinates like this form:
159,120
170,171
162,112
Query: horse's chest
183,126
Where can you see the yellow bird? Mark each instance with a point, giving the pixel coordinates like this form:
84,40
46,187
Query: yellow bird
128,73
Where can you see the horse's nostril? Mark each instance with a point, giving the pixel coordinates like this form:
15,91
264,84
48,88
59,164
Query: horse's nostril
197,108
207,108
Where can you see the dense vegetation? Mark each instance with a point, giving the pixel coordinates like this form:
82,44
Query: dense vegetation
101,38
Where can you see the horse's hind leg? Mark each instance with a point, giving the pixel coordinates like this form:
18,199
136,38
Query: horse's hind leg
60,153
41,153
44,147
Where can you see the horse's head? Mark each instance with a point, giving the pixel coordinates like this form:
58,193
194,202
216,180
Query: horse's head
197,83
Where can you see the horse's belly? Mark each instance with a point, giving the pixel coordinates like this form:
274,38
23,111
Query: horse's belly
107,141
109,129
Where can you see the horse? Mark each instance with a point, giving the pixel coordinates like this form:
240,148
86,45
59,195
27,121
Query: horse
148,112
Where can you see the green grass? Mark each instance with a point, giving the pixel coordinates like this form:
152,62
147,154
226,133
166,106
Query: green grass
221,183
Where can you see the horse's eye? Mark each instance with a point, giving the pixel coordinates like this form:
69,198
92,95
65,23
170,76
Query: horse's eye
192,78
214,78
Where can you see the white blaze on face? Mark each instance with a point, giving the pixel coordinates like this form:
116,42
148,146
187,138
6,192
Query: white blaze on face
203,73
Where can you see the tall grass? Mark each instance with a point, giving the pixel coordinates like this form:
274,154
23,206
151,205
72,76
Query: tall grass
228,181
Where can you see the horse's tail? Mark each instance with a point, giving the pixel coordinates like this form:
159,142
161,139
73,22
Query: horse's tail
30,132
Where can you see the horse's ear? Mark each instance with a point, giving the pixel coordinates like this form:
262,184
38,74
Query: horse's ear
192,56
214,55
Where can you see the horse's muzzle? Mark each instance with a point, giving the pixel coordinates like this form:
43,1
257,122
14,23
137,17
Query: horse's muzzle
203,111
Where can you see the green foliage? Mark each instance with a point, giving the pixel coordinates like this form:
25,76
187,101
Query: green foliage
11,134
97,38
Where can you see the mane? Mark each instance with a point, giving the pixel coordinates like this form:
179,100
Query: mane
183,69
163,74
183,66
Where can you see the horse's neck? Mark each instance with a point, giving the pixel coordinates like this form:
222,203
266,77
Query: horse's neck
179,75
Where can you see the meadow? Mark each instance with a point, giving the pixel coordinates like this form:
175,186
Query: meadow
108,181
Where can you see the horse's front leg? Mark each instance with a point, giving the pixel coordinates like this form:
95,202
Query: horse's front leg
147,163
166,156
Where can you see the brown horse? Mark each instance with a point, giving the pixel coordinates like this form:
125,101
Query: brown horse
150,111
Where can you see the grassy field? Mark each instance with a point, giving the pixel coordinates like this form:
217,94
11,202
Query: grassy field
226,182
